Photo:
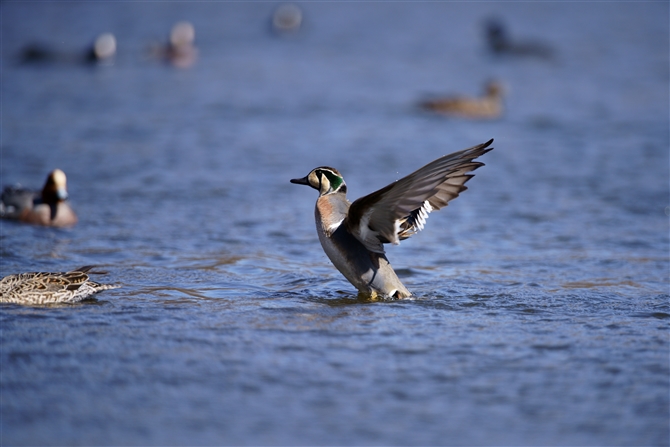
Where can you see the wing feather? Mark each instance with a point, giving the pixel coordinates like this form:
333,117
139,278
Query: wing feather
400,209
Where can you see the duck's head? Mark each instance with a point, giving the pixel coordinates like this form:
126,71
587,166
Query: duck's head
324,179
287,18
104,46
182,35
55,188
496,35
494,88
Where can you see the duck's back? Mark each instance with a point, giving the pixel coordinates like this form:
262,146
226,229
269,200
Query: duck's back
15,200
26,206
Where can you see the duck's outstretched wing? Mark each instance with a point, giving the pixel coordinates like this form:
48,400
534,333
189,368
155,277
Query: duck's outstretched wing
400,210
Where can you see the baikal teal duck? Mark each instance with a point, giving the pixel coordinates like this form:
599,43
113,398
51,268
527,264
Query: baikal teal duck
353,234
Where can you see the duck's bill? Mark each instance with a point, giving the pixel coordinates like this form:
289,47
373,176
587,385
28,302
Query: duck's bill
61,193
300,181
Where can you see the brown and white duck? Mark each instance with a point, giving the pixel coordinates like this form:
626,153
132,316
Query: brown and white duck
489,106
37,288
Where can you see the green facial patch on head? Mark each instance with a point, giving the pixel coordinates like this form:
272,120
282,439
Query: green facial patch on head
335,180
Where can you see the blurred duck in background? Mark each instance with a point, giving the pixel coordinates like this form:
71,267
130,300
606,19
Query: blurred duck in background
489,106
48,207
38,288
180,50
101,52
499,43
286,19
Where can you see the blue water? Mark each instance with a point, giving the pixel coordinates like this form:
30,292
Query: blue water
542,303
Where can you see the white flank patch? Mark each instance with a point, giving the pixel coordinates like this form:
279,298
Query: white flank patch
396,230
332,227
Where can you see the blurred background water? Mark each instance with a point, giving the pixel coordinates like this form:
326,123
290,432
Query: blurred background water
542,299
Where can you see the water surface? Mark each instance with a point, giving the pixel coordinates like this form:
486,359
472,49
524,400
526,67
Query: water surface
541,303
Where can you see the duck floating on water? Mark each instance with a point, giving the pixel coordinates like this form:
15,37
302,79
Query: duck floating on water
48,207
180,51
37,288
489,106
499,43
101,52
